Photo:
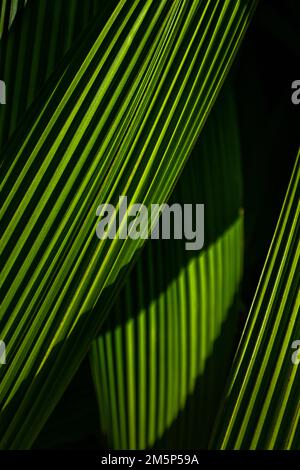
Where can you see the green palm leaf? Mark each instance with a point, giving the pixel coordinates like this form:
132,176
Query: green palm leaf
156,365
262,407
43,34
120,117
8,11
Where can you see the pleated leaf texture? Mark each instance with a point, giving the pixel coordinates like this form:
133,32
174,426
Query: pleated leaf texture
262,405
120,117
33,49
8,11
160,365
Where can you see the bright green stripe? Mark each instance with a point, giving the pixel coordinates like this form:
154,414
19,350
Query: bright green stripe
142,340
112,389
153,335
179,318
56,269
263,365
120,381
162,346
50,248
130,373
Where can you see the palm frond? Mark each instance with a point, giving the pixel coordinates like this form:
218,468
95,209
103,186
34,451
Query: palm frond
33,50
262,407
8,11
121,117
160,364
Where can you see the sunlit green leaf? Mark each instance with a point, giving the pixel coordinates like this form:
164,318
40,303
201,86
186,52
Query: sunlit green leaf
119,117
262,405
160,366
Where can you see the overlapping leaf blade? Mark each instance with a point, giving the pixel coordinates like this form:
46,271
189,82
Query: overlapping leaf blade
33,50
8,11
262,405
121,118
167,343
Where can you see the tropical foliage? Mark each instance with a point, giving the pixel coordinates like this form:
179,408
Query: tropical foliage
107,99
178,311
262,407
